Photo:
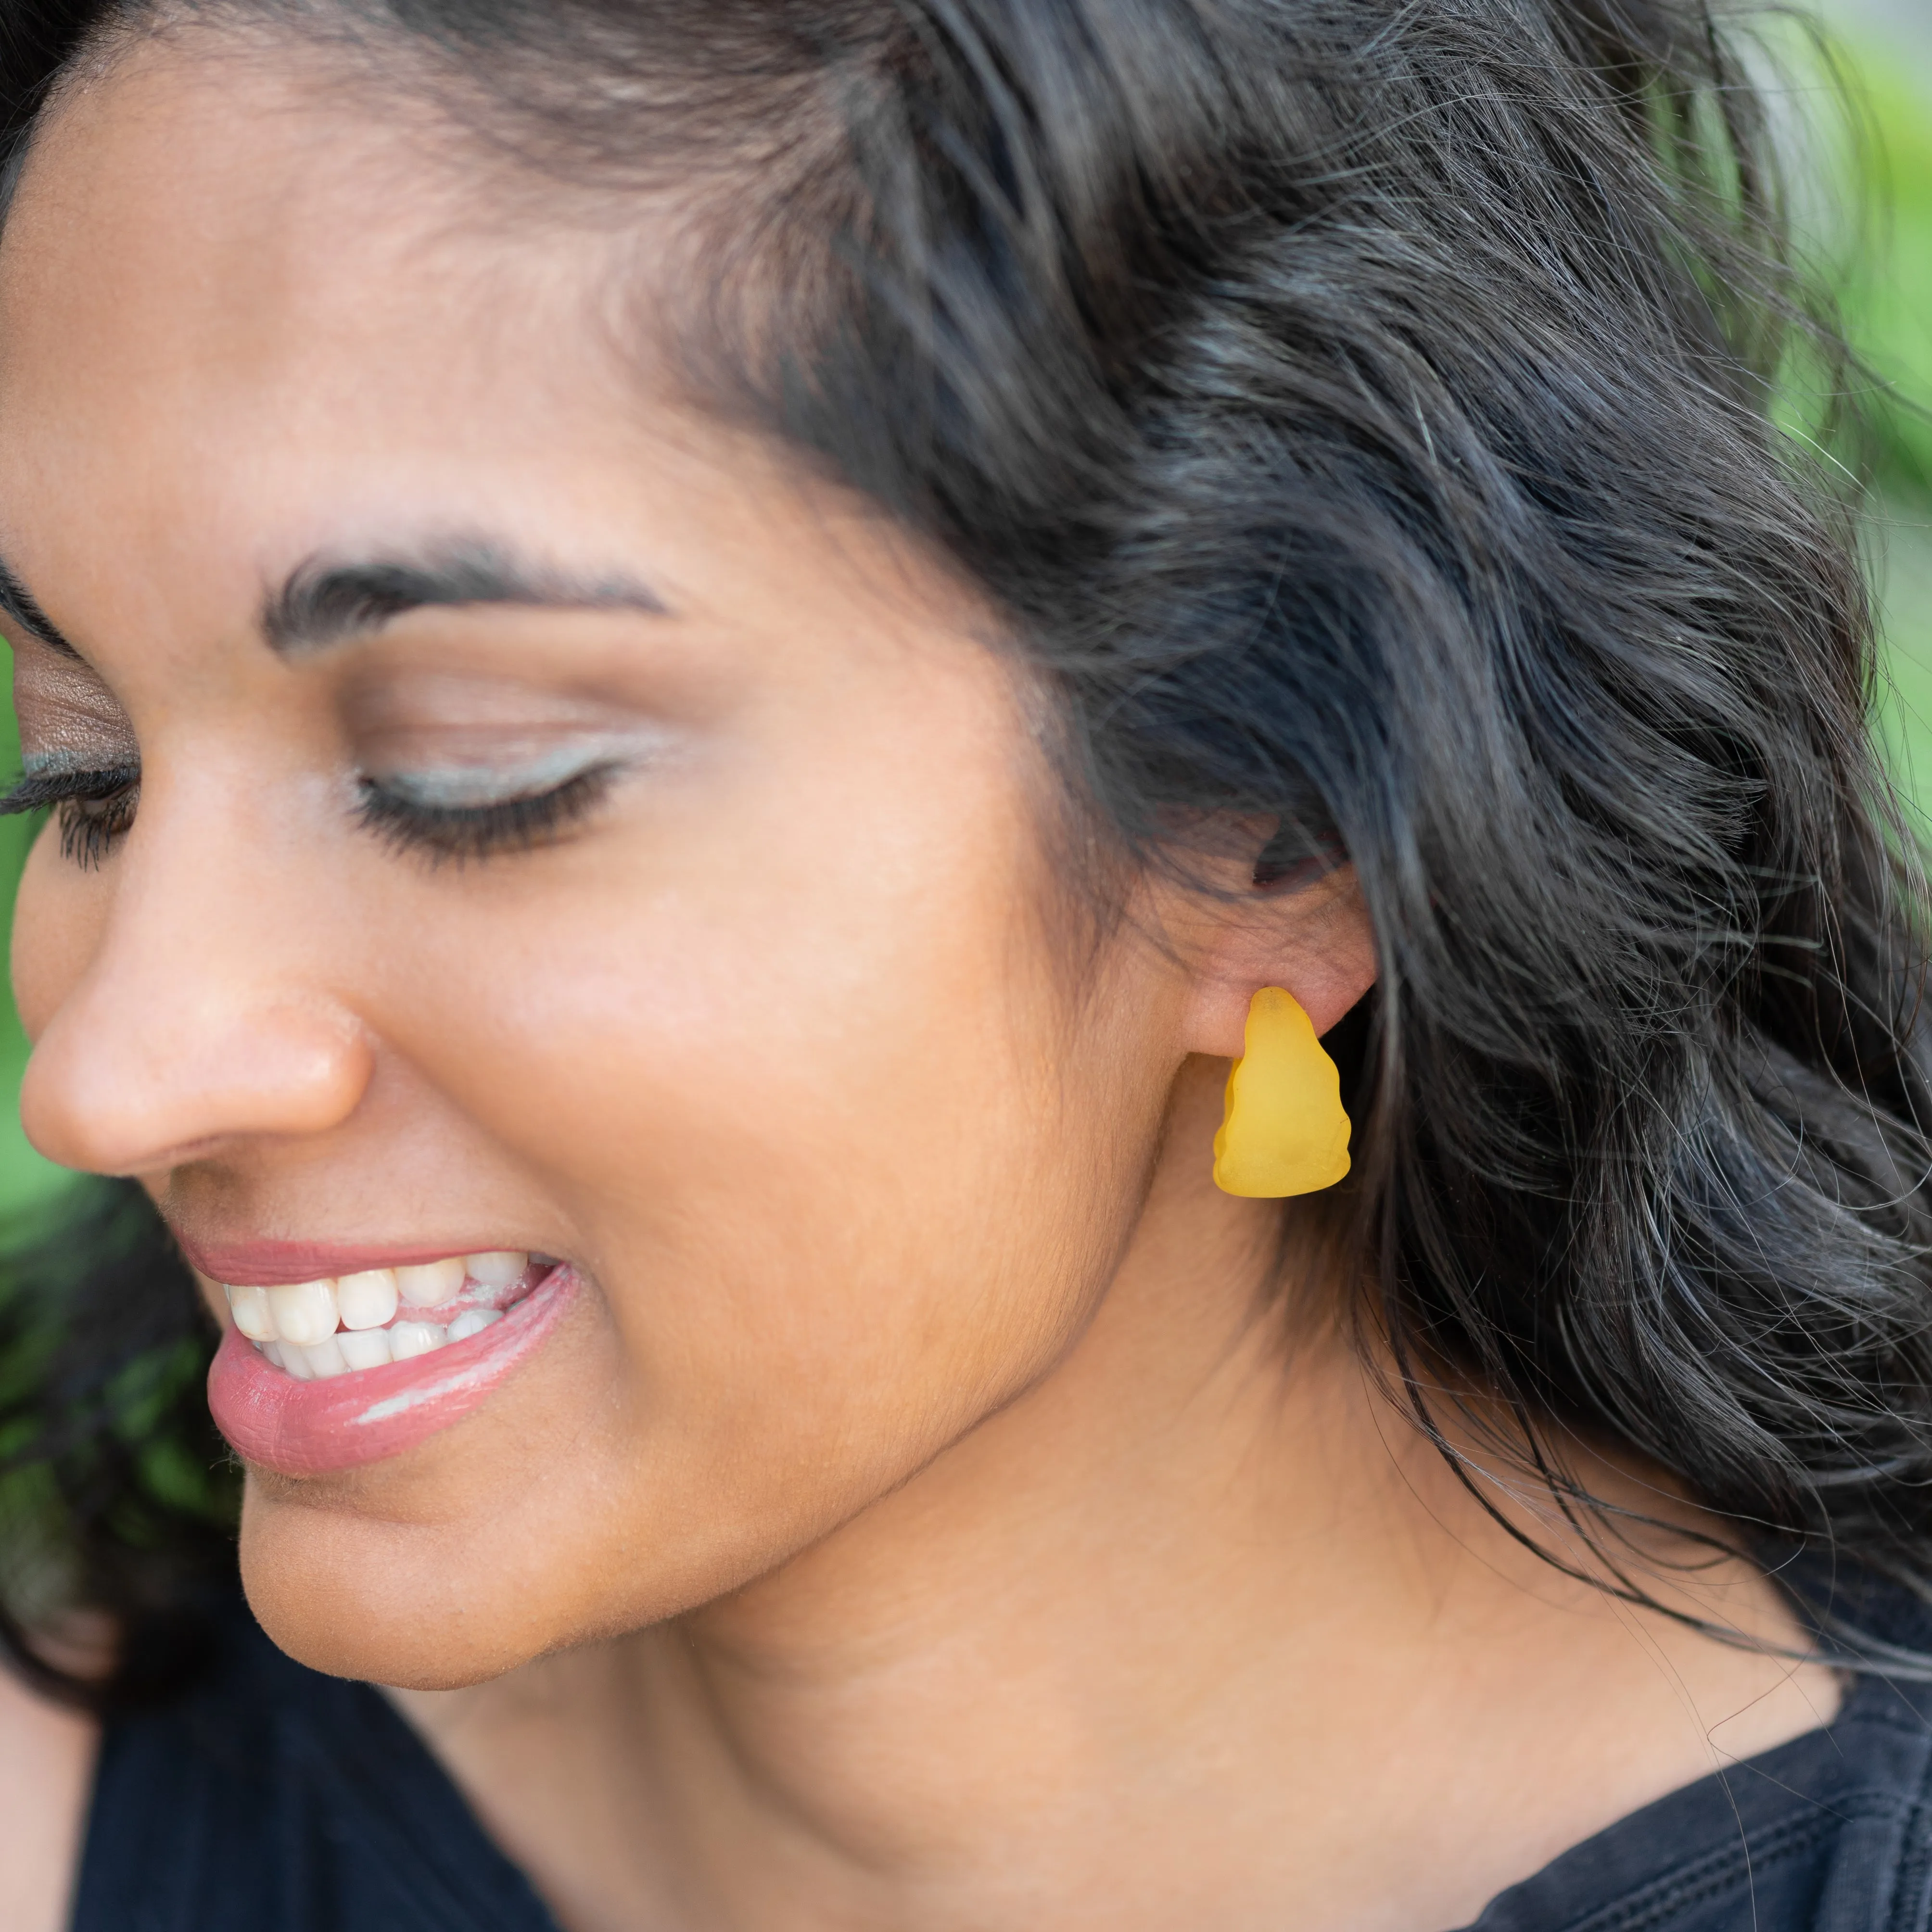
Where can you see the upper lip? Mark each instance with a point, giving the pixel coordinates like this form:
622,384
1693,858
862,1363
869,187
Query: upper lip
266,1264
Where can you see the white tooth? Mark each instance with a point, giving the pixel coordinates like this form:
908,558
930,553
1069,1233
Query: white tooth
304,1312
365,1348
495,1270
296,1361
258,1346
431,1284
473,1321
249,1307
367,1300
273,1350
414,1338
325,1358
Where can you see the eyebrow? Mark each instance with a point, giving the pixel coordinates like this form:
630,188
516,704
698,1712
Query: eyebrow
324,602
19,607
321,603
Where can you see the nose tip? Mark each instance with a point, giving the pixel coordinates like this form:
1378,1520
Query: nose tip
122,1100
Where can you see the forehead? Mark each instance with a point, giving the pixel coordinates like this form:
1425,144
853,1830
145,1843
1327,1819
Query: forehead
244,222
227,292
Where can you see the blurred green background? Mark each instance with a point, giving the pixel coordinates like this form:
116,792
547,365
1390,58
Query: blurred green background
1887,46
25,1177
1890,43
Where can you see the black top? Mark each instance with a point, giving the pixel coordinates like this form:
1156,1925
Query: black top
269,1798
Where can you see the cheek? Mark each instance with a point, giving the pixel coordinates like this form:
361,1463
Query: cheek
839,1201
58,920
789,1051
841,1174
799,1136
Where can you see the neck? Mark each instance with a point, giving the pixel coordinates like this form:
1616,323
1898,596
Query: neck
1197,1624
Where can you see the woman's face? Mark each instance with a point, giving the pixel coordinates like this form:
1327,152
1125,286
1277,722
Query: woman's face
558,831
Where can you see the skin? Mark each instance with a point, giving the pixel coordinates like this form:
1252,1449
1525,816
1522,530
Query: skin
934,1514
47,1760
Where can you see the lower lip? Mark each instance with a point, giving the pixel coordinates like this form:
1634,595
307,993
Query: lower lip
311,1429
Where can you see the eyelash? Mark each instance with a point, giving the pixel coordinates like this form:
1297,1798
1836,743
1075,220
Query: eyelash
470,831
97,807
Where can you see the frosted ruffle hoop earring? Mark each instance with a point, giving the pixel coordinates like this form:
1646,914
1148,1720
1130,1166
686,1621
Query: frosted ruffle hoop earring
1284,1130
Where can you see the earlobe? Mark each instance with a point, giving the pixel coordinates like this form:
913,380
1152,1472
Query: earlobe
1285,1130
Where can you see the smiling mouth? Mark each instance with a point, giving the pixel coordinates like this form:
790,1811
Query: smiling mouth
338,1325
317,1376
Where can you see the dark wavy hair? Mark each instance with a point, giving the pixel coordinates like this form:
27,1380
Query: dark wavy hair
1391,423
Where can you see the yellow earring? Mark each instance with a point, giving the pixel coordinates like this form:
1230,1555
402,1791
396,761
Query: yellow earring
1286,1131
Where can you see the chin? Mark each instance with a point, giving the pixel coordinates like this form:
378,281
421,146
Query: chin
389,1602
350,1575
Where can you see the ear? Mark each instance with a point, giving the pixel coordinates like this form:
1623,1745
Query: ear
1313,941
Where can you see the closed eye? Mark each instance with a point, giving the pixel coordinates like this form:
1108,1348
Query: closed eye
404,819
97,808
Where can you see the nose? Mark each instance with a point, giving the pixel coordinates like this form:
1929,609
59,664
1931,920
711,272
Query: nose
200,1019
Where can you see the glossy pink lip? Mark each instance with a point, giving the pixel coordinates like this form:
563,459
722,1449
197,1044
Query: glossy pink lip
309,1428
272,1263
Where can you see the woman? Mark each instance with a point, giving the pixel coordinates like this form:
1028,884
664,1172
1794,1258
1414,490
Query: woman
697,668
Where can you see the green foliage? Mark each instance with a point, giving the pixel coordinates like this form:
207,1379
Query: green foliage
114,1487
1903,546
26,1179
1891,313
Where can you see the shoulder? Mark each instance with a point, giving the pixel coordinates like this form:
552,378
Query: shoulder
46,1771
1829,1831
